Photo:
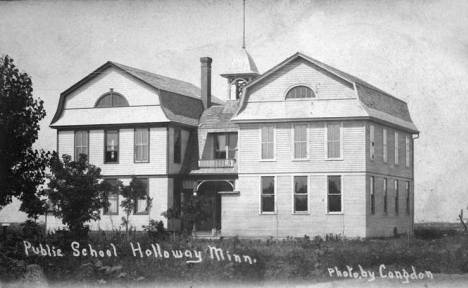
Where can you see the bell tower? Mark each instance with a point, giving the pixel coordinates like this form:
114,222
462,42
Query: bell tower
242,69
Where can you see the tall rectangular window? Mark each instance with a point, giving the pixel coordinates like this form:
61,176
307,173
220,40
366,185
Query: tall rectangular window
81,143
407,157
372,195
396,197
177,145
408,209
112,146
385,149
300,141
267,194
300,194
334,194
372,142
225,146
385,195
142,145
268,142
112,199
397,152
141,204
333,140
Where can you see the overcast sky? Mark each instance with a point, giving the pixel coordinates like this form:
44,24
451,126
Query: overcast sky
415,50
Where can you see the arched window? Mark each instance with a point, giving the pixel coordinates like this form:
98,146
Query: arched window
111,99
300,92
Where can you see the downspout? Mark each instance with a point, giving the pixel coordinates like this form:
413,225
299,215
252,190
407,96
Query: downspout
412,170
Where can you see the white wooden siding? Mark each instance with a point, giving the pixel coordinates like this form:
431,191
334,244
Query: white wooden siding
299,71
136,92
353,150
237,208
66,143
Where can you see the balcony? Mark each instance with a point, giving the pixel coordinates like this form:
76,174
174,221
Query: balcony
217,163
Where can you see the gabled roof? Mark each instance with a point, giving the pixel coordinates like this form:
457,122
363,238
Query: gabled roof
376,103
177,87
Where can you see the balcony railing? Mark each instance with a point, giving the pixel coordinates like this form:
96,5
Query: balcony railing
217,163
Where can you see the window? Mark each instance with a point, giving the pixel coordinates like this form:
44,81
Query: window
397,154
111,99
407,155
385,195
225,146
177,145
268,142
268,194
372,142
334,194
112,198
300,92
372,195
408,211
334,140
112,146
396,197
81,143
142,145
385,149
141,204
300,141
300,194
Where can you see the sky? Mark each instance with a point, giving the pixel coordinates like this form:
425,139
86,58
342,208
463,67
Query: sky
415,50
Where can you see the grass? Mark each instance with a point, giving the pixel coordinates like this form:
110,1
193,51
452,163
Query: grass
436,249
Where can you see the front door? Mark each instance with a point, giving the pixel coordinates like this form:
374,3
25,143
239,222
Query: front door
210,190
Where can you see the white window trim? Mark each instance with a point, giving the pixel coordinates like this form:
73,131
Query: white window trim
385,145
396,148
274,143
293,194
260,195
407,151
341,143
136,145
371,141
293,147
342,212
300,99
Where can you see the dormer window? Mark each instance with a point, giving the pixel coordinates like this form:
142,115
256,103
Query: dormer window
111,99
300,92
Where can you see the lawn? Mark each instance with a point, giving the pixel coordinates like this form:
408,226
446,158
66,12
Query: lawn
118,257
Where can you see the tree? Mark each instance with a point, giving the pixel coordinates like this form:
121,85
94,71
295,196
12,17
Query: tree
190,212
75,189
22,169
135,190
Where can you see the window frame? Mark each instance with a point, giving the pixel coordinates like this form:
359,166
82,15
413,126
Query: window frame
227,137
105,209
407,152
385,145
135,209
261,212
294,87
372,194
261,143
408,199
76,156
136,145
177,145
328,212
385,196
111,94
118,146
294,194
397,208
341,142
372,142
397,149
306,141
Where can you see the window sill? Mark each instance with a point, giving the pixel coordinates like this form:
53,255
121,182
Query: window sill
334,159
301,160
140,162
301,213
267,160
111,162
139,214
334,213
267,213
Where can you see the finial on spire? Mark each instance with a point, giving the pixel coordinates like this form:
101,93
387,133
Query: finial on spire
243,30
